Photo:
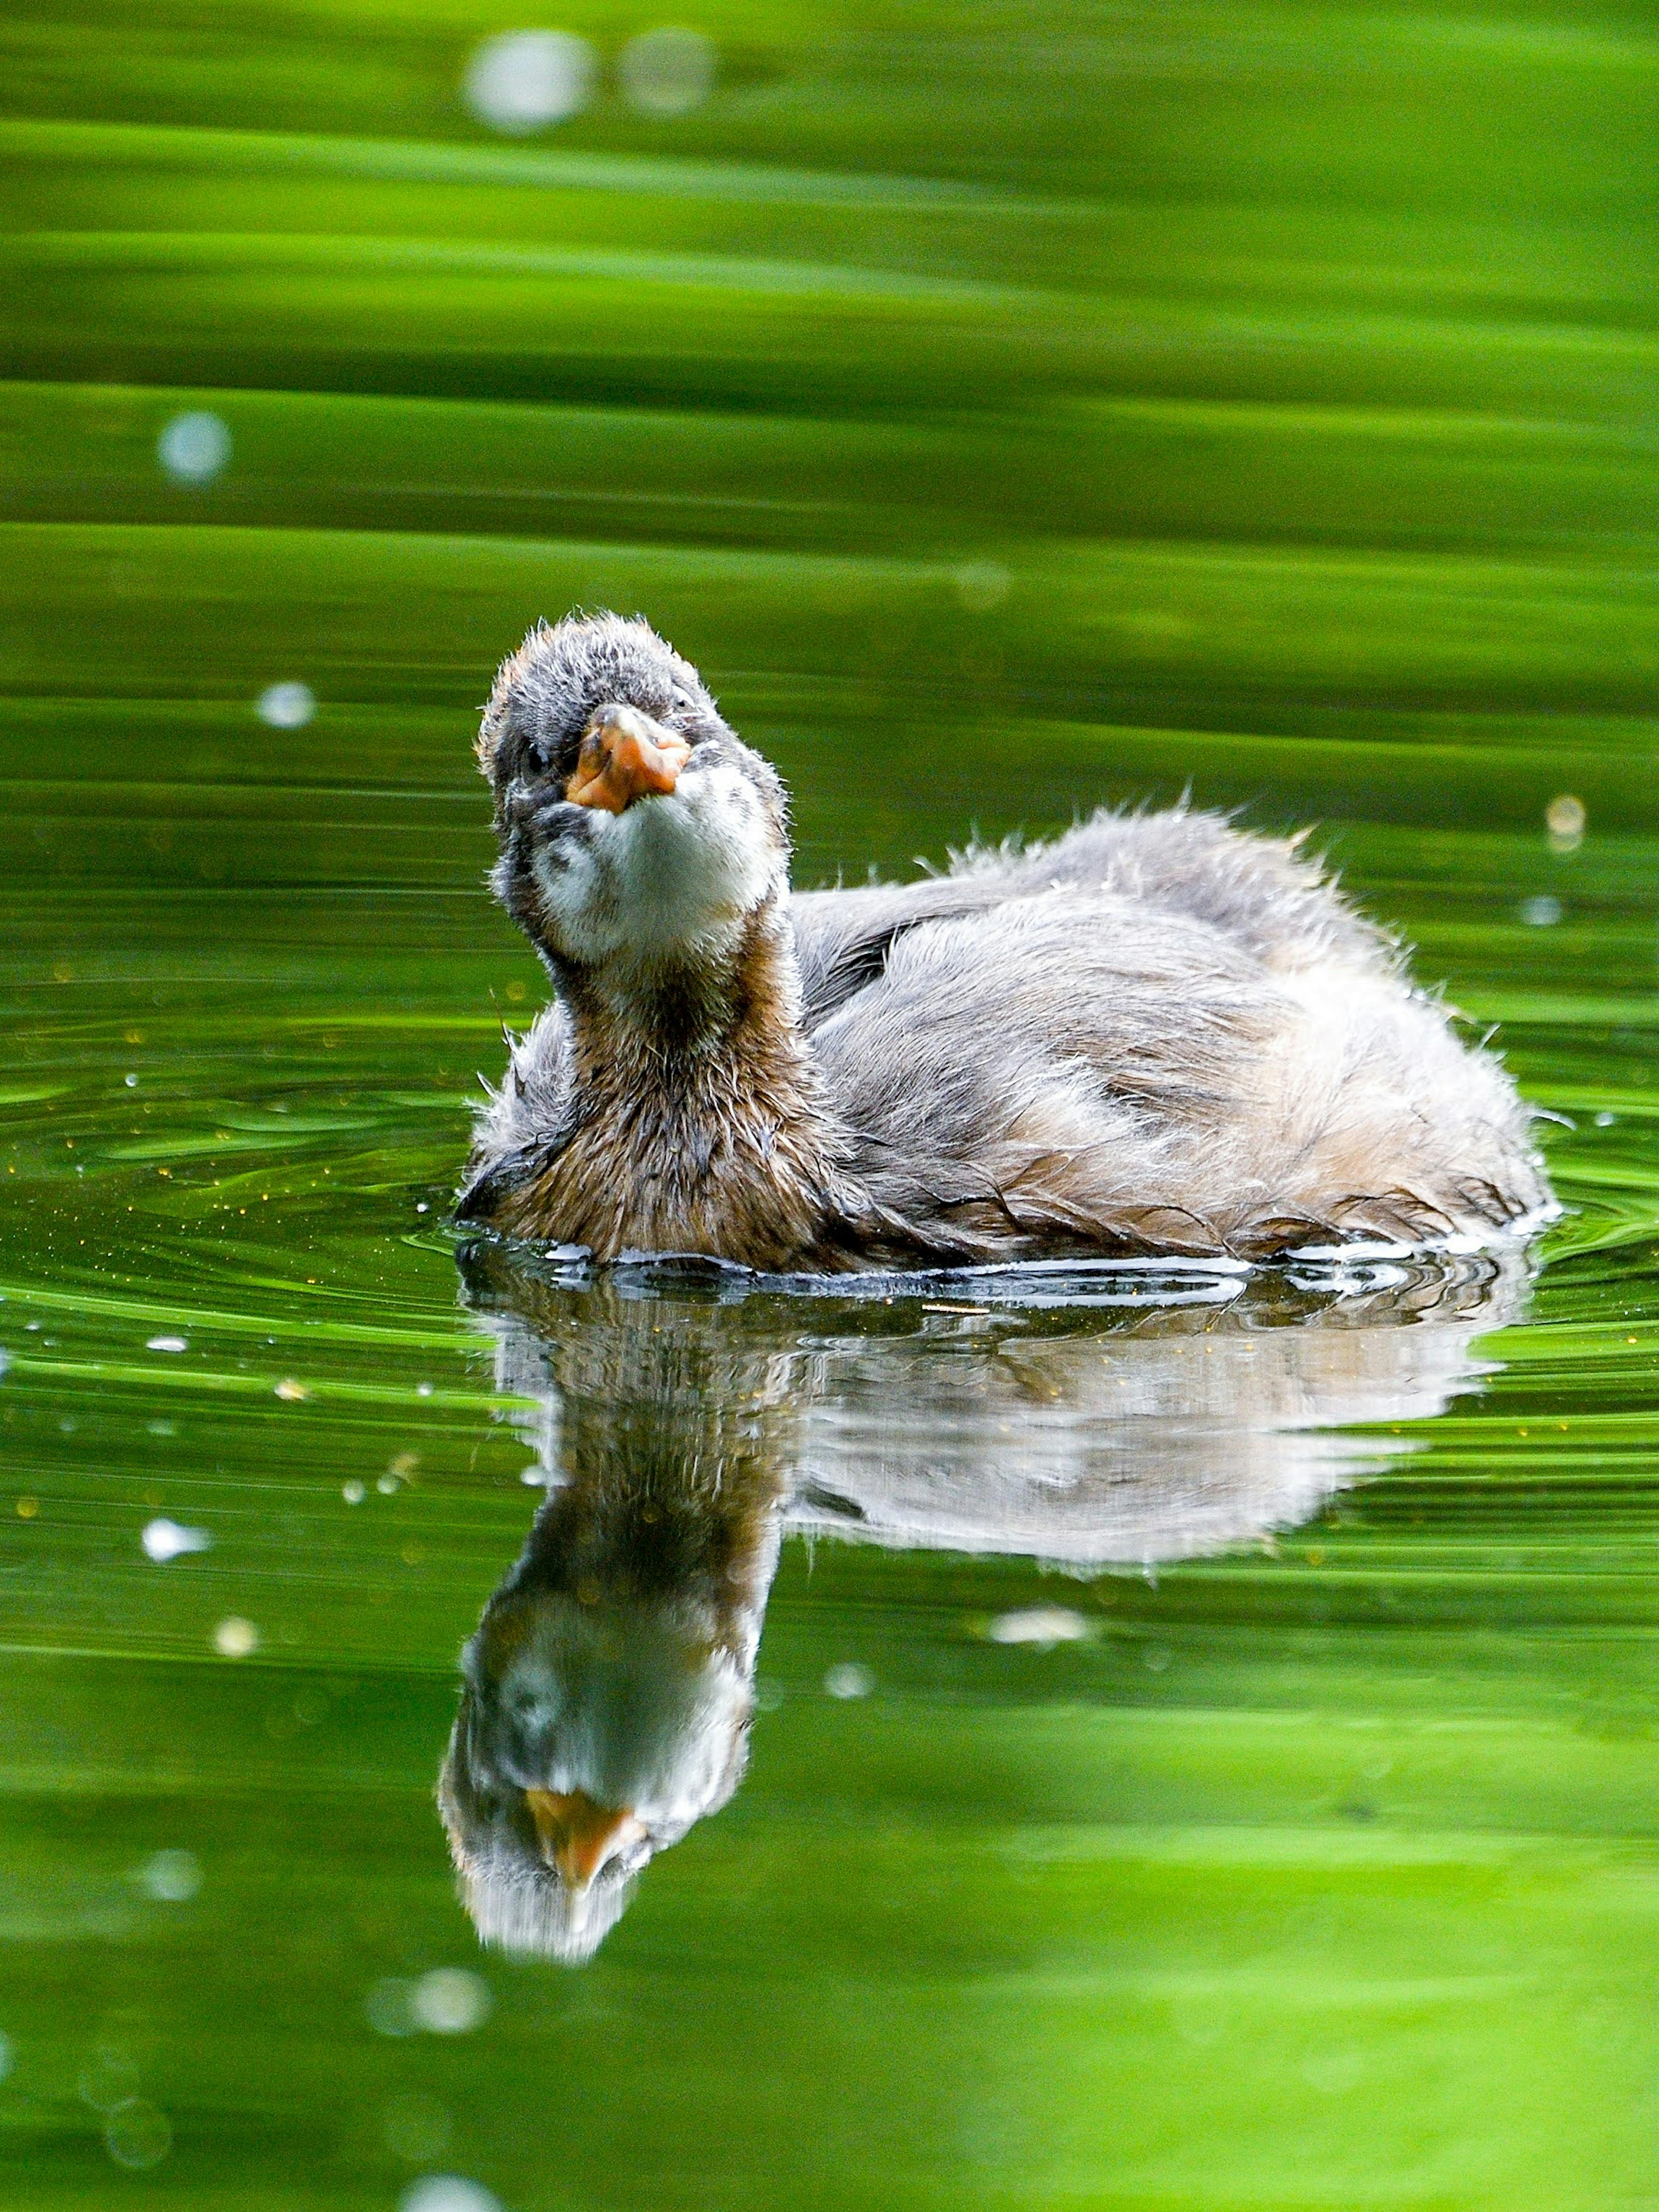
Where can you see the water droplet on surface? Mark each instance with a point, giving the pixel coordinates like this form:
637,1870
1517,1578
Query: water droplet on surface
525,79
667,72
136,2135
850,1680
236,1638
165,1539
166,1344
450,2000
286,706
352,1492
193,448
171,1877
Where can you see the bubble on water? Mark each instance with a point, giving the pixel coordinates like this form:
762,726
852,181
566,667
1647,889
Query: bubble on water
136,2135
525,79
415,2127
171,1877
166,1344
849,1680
286,706
450,2000
389,2006
193,448
1044,1625
983,584
667,72
1540,913
236,1638
1566,819
132,1082
446,2192
165,1539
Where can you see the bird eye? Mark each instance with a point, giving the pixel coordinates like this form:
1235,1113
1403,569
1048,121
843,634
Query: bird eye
537,757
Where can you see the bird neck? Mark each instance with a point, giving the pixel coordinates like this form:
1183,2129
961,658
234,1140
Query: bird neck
701,1125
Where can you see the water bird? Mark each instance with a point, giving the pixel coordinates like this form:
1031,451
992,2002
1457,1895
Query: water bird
1155,1033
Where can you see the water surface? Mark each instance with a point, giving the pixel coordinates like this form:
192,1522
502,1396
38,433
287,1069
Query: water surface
1199,1728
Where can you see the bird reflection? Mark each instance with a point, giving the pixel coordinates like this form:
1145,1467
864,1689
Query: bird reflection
685,1418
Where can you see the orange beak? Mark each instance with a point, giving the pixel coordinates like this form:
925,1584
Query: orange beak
577,1836
624,755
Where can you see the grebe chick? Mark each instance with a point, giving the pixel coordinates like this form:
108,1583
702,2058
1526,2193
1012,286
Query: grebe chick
1156,1034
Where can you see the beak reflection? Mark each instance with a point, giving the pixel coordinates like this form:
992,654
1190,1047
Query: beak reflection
577,1836
687,1417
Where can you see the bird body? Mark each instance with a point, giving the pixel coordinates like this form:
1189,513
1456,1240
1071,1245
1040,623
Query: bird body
1156,1033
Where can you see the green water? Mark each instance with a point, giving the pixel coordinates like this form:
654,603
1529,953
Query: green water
1011,410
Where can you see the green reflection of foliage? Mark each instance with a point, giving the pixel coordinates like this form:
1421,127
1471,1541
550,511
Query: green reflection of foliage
1012,409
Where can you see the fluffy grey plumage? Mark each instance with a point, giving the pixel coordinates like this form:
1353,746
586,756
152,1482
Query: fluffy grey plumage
1156,1033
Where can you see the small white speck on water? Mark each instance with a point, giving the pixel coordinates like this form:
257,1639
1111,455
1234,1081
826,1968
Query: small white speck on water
1566,819
171,1877
446,2192
522,81
1043,1626
286,706
165,1539
166,1344
236,1638
849,1680
451,2001
193,448
1542,912
352,1492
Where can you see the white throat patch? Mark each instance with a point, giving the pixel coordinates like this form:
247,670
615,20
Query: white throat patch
676,872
